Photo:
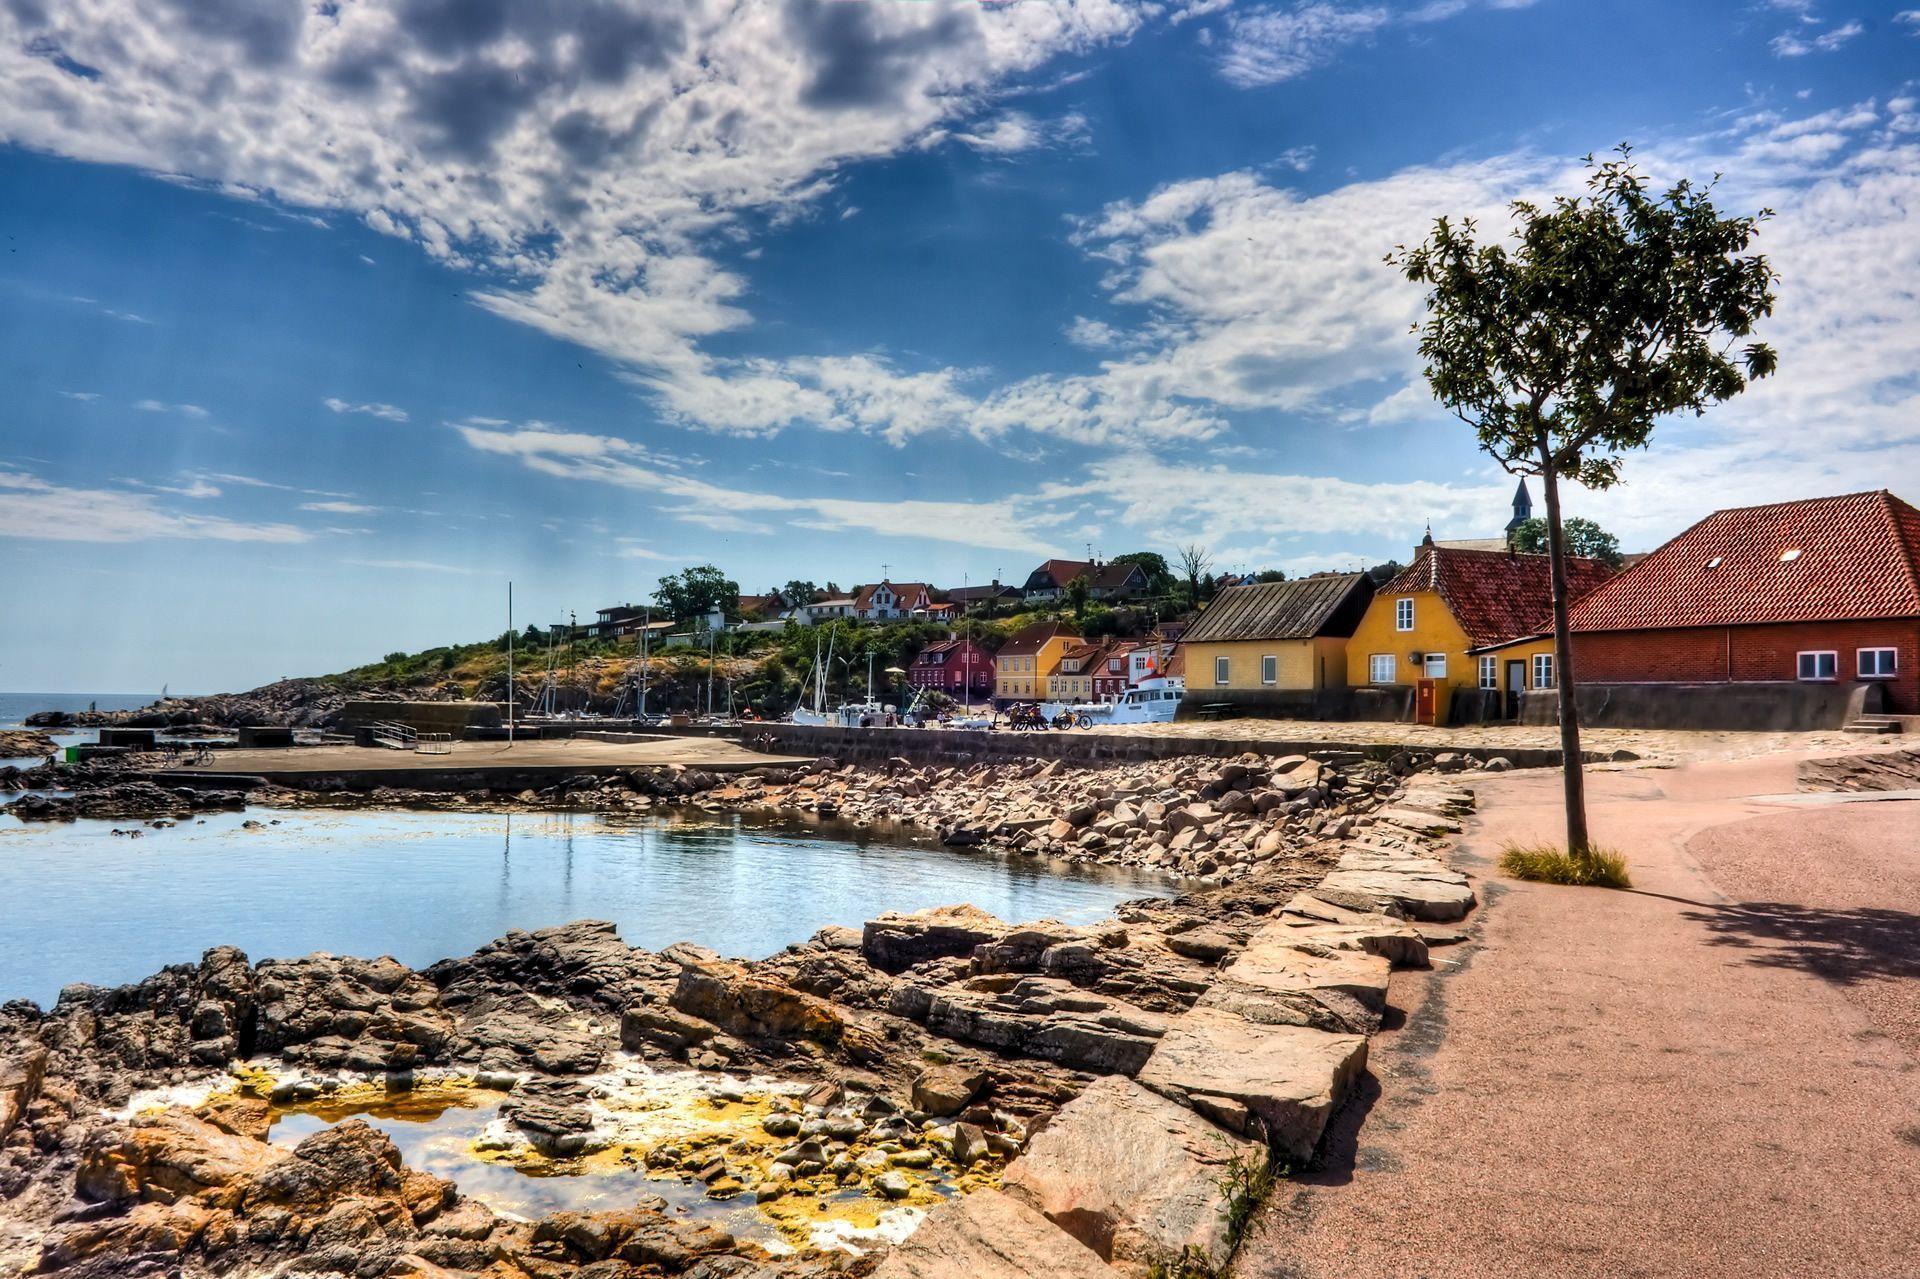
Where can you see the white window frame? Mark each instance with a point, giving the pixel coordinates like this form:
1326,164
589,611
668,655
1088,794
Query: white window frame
1542,670
1890,671
1490,673
1222,671
1387,662
1833,665
1427,663
1403,614
1269,668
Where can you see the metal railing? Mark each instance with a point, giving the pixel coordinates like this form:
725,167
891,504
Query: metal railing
435,743
395,736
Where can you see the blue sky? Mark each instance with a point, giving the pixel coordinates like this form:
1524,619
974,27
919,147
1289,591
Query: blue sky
320,321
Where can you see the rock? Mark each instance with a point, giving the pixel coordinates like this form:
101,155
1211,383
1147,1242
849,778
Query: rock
945,1090
895,942
988,1235
652,1026
1205,944
892,1185
21,1074
1287,1079
151,1231
1040,1017
168,1157
1132,1175
1436,898
969,1144
1279,980
733,998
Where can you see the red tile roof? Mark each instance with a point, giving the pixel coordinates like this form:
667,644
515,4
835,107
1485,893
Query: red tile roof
1034,637
1859,557
1493,595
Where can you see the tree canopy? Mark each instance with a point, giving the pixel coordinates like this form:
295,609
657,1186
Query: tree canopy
1607,312
697,591
1584,538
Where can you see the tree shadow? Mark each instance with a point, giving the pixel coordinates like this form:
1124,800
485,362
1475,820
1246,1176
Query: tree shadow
1844,946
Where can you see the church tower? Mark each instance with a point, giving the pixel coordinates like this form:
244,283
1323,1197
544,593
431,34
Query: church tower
1522,508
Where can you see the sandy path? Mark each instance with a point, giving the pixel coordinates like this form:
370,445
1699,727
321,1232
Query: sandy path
1645,1083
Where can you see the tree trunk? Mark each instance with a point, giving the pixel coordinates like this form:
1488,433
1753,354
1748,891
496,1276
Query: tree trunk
1571,767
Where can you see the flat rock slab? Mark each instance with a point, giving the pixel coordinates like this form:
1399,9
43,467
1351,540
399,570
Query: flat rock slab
1400,864
1132,1175
1421,897
987,1235
1280,982
1415,819
1283,1082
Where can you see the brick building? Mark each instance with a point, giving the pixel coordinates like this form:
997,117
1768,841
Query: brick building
1789,615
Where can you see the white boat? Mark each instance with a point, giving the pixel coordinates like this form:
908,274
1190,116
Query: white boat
1154,702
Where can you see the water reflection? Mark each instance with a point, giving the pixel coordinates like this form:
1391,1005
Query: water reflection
83,905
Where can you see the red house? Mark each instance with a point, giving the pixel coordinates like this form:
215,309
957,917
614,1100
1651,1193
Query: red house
1110,673
956,667
1799,614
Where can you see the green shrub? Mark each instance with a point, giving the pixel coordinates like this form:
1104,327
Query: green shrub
1590,868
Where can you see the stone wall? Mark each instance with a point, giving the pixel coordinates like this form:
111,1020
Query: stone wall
422,717
1785,706
963,746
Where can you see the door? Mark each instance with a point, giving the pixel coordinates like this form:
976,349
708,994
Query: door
1516,683
1423,701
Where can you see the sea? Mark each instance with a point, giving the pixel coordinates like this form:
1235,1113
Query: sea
15,707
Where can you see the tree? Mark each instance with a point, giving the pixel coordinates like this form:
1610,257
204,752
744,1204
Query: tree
1584,538
1079,591
1160,579
697,591
1607,312
1196,562
798,592
1270,575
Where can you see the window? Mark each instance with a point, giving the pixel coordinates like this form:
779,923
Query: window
1435,666
1269,669
1403,615
1220,669
1543,670
1878,663
1380,668
1820,664
1490,673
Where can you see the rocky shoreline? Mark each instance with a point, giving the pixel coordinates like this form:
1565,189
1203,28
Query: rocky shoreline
885,1069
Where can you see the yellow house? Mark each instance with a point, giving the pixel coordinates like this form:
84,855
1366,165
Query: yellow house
1021,667
1433,621
1275,646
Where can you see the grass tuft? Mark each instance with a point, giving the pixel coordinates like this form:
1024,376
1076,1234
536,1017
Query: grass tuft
1593,868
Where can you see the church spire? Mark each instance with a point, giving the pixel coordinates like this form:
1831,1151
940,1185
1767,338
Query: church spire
1522,507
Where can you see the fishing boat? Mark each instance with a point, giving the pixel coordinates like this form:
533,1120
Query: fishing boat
1155,701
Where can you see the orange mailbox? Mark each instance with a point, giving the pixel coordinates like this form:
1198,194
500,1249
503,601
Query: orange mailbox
1425,697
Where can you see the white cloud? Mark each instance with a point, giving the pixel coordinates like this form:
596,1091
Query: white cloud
184,410
384,411
33,508
85,397
1268,45
583,155
1006,523
339,508
411,566
1789,44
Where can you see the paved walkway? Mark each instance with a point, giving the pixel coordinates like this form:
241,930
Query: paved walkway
1715,1074
712,753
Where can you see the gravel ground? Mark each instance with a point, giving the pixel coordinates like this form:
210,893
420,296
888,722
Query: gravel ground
1646,1083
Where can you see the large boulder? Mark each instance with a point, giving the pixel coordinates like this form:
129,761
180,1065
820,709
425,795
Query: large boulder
1283,982
1279,1082
1436,897
945,1090
731,997
170,1156
21,1073
895,942
987,1235
1042,1017
1132,1175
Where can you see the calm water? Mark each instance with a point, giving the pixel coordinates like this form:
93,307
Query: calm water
15,707
81,904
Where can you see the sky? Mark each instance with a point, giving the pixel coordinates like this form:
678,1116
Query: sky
321,320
